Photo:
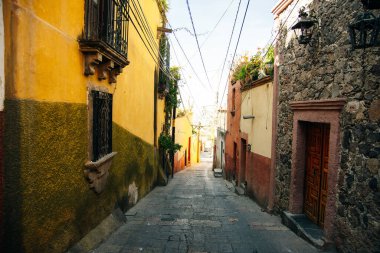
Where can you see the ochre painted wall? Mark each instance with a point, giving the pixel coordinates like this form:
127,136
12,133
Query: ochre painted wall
48,203
183,133
258,102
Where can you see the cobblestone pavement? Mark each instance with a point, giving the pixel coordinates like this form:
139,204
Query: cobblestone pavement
196,212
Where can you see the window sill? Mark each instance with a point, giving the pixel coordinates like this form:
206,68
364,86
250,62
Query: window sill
97,172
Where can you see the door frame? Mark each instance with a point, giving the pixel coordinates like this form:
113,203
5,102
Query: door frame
315,111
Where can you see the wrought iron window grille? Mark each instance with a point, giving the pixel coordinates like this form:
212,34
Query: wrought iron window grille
102,124
105,37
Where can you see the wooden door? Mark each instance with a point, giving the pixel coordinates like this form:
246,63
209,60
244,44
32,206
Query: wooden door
243,161
317,155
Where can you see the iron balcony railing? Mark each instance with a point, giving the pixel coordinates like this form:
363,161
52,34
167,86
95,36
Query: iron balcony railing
107,22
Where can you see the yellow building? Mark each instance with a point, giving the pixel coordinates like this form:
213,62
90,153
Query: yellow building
82,116
184,135
256,138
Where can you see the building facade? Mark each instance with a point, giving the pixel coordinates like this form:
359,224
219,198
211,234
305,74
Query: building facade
233,142
327,120
188,154
256,141
82,116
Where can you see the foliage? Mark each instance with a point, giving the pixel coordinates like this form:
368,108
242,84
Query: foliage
166,143
171,100
164,5
255,67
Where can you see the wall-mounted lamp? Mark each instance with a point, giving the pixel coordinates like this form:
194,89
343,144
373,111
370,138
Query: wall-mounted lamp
364,31
371,4
304,28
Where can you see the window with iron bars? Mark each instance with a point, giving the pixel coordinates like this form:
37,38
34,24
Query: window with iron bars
101,124
106,24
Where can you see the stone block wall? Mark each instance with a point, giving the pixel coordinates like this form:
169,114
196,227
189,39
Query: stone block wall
329,69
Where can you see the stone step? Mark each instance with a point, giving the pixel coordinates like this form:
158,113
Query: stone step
239,190
306,229
218,172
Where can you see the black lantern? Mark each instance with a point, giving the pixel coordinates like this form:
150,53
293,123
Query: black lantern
371,4
304,27
364,31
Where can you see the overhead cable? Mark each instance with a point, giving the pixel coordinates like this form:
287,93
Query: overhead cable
196,38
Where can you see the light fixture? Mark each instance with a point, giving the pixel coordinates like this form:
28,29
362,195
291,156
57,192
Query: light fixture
304,28
371,4
364,31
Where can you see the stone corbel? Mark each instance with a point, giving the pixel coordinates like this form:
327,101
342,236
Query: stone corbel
90,61
104,69
114,73
97,172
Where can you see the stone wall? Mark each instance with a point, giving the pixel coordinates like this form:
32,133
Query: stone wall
328,69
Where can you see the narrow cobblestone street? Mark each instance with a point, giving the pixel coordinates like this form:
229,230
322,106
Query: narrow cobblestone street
196,212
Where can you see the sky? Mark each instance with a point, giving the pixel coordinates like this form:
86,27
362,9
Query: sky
198,93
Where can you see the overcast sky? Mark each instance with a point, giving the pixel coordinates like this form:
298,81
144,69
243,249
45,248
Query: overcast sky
206,13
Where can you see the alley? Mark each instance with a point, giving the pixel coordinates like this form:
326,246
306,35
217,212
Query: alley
196,212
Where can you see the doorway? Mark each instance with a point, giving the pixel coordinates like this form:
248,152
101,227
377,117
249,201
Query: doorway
243,161
189,152
316,172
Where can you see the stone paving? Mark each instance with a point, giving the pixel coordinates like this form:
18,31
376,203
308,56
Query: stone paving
196,212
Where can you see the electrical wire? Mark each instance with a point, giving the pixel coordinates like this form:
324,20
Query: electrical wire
217,23
237,44
187,58
228,48
196,38
278,32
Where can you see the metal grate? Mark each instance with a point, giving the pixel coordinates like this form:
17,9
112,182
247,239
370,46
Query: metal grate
107,21
102,124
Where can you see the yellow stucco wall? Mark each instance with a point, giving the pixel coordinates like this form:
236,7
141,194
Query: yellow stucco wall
44,44
183,132
258,102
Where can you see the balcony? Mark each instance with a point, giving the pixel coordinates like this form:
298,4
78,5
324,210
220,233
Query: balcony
104,41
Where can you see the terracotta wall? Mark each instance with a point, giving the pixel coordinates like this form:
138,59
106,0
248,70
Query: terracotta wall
233,126
257,176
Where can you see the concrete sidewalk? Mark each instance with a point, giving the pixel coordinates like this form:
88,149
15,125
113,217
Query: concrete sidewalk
198,213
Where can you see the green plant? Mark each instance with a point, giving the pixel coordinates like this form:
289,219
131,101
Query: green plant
166,143
164,5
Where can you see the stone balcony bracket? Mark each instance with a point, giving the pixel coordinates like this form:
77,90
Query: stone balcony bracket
97,172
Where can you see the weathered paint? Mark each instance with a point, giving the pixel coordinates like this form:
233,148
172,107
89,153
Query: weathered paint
48,203
257,102
52,69
2,84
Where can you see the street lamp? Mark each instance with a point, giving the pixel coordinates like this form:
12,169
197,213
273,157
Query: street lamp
371,4
304,28
364,31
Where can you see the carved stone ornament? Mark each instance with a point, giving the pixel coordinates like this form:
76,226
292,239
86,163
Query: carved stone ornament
97,172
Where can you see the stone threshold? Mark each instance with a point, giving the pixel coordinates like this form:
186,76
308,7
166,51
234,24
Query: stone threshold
306,229
100,233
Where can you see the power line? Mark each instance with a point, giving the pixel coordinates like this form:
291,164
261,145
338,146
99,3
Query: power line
199,49
228,48
278,32
187,58
237,44
217,23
